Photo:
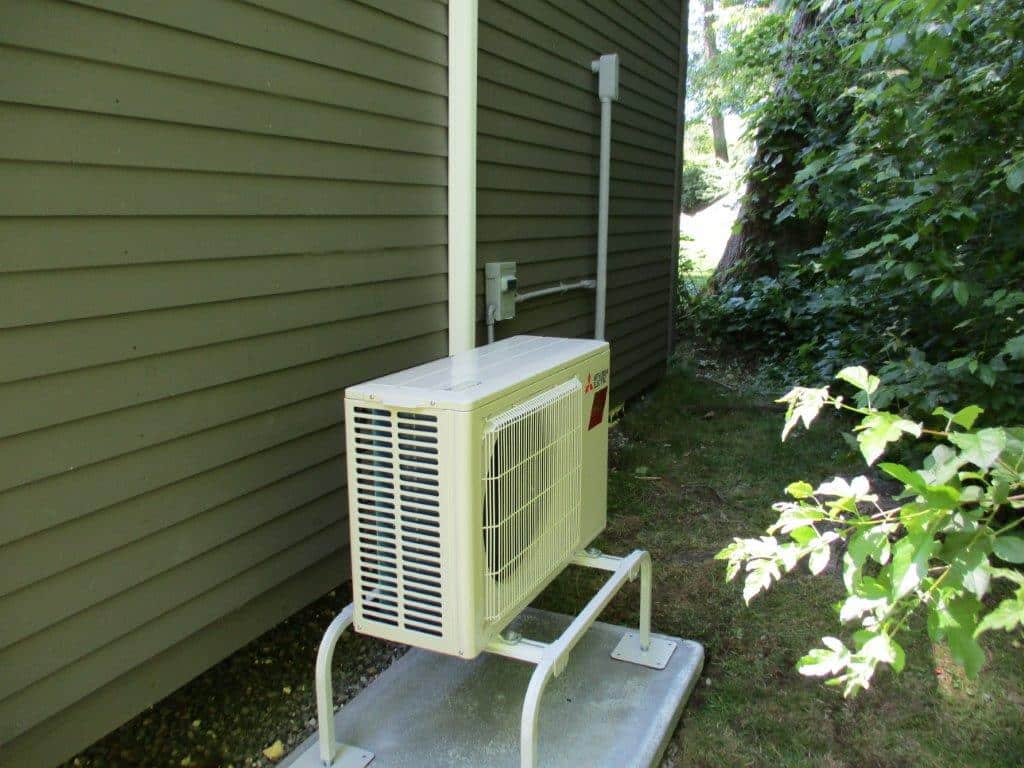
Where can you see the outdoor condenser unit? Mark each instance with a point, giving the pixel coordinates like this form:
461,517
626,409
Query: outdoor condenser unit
473,481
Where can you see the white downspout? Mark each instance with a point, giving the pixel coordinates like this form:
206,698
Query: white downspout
607,69
462,55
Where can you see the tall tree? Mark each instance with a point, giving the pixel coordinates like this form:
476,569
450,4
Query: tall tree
766,239
711,52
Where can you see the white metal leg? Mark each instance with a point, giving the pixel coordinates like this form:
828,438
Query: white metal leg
332,753
552,658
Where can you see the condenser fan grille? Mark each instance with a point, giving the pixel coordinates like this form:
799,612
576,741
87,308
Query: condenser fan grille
398,536
531,515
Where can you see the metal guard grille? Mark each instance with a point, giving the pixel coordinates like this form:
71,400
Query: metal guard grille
531,515
398,519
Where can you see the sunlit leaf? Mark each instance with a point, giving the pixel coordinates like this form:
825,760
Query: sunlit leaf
1009,547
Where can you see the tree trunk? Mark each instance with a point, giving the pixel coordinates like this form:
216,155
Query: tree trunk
711,51
718,134
761,245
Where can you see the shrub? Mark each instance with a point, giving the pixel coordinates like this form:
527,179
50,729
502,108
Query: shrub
907,115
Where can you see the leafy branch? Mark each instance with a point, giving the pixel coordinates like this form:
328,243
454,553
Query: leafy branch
937,551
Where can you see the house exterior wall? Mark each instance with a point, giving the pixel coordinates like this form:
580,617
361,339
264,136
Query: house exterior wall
538,148
214,216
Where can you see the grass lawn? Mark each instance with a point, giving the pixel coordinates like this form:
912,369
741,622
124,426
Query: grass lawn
695,464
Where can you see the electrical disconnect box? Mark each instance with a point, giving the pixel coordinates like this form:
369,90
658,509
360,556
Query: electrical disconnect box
607,69
500,288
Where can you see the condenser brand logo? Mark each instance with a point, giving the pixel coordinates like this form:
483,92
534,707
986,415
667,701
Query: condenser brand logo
596,380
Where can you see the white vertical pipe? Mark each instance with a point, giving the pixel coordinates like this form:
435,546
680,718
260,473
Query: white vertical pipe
602,218
607,69
462,55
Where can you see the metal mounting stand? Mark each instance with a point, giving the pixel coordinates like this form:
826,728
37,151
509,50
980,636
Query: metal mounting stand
332,753
551,658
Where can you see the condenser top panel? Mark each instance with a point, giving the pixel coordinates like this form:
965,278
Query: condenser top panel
469,379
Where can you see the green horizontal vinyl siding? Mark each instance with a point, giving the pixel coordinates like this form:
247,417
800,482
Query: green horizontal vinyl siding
214,217
537,173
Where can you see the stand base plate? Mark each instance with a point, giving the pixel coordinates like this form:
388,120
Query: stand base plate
429,710
656,656
348,757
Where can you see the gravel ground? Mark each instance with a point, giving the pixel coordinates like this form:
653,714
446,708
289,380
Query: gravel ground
260,694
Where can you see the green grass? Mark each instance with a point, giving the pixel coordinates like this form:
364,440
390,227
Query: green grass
694,465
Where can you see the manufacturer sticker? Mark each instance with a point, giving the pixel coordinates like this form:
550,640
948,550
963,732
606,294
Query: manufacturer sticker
597,409
596,380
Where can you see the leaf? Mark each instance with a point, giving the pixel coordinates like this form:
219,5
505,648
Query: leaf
967,556
942,465
1014,347
980,448
987,374
760,574
965,650
799,490
910,558
1007,615
786,213
961,292
1009,547
868,52
859,377
820,662
819,558
803,404
809,170
906,476
856,606
900,204
793,517
868,542
1015,177
879,429
966,417
275,751
839,487
879,649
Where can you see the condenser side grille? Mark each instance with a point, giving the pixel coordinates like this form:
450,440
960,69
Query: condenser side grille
532,456
398,524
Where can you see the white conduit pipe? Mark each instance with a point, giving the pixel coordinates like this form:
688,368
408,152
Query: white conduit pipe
588,283
462,98
607,69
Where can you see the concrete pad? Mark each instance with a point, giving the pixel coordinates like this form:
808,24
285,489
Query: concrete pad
429,710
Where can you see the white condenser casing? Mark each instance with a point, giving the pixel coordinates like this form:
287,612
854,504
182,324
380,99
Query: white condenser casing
472,481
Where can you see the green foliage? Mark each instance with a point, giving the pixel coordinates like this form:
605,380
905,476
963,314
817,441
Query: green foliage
740,76
955,529
701,184
907,116
704,178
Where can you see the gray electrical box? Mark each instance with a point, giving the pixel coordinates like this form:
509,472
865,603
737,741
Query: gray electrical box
500,290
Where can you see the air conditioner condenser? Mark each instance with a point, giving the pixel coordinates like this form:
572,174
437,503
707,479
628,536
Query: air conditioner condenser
473,481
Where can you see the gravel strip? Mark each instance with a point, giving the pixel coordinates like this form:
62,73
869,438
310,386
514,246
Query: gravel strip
262,693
